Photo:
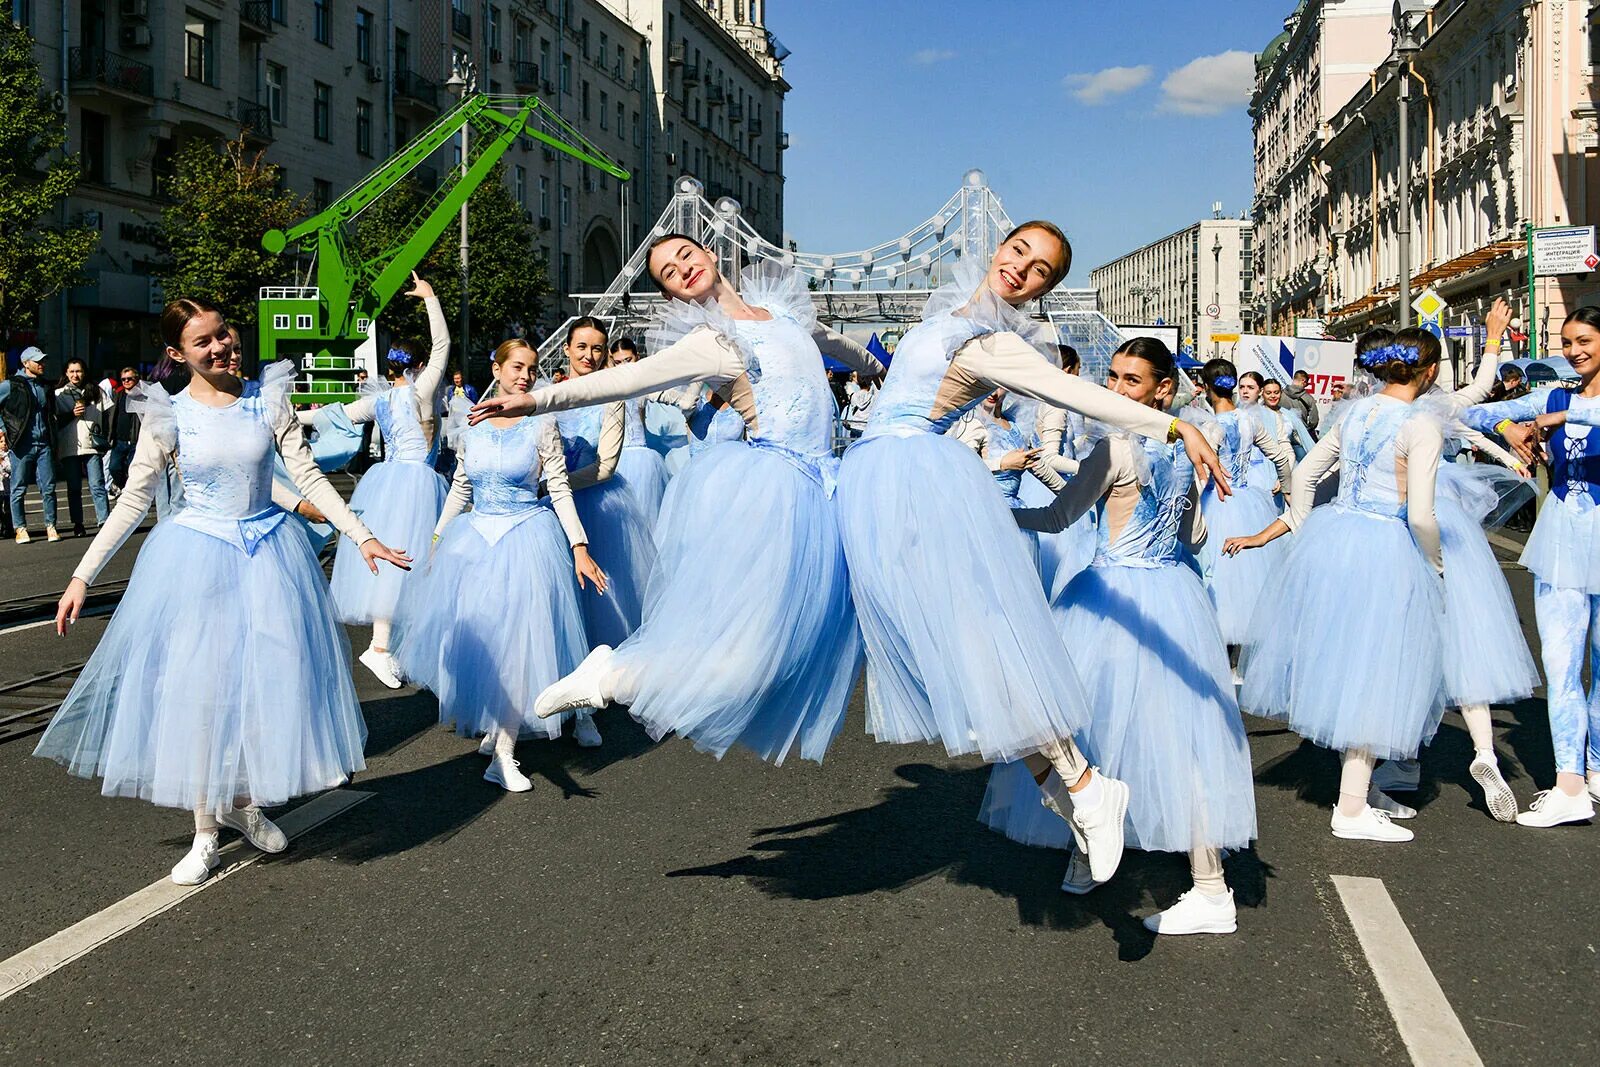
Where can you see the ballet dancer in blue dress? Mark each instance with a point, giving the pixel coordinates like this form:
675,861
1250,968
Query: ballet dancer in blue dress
642,469
1000,431
749,636
1144,633
486,658
222,684
930,544
1063,442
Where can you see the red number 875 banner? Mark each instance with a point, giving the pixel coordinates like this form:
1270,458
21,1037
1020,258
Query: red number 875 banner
1322,385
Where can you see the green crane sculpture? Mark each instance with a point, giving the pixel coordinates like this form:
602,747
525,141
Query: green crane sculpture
327,322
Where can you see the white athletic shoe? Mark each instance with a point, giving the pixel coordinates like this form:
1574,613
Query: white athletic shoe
503,772
1552,807
201,860
1370,825
382,666
486,746
1376,798
257,829
580,689
1101,829
1594,786
1196,913
1078,880
585,732
1398,775
1497,796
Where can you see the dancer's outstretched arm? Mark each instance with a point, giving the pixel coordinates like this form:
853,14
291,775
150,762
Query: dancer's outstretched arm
852,354
1103,467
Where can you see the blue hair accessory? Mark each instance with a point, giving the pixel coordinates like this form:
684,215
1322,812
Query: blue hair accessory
1224,381
1407,354
399,357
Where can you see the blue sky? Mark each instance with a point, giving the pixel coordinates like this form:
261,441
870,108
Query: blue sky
1120,121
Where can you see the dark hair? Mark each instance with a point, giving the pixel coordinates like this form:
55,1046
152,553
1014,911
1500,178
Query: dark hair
1154,352
413,358
91,388
1070,360
1373,339
1271,381
1397,371
1054,231
587,322
1219,368
1301,374
172,374
657,243
176,315
624,344
1254,376
1588,315
1509,371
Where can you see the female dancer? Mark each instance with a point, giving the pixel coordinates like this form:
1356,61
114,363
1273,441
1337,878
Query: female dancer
400,498
1286,425
1236,583
1561,553
749,636
222,684
1163,713
930,544
1064,441
1345,645
487,658
642,469
1000,431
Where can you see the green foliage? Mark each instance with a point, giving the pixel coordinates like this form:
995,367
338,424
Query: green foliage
223,201
37,258
506,280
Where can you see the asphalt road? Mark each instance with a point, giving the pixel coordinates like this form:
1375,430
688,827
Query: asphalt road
647,904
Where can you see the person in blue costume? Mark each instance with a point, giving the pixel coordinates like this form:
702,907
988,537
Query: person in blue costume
711,421
1563,554
1346,643
1001,431
1286,425
931,545
1063,442
642,469
749,636
399,498
1236,582
486,658
1162,711
222,684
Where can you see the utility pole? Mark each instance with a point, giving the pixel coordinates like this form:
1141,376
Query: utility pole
1407,41
463,82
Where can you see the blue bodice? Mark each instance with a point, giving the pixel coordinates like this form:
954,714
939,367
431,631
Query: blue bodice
1003,438
580,435
396,414
1369,472
225,455
504,466
1238,444
794,406
712,426
911,390
1150,536
1574,450
633,424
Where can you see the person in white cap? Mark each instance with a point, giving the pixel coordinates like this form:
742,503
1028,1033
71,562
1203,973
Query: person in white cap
28,416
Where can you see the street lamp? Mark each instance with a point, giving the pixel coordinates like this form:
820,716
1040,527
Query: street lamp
1407,33
463,82
1266,202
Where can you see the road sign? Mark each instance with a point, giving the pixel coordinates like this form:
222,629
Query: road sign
1459,331
1309,328
1212,311
1433,327
1429,304
1564,250
1226,331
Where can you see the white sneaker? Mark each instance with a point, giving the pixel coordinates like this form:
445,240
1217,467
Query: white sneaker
201,860
1102,828
486,746
1398,775
580,689
1387,804
51,535
1370,825
503,773
257,829
1552,807
382,666
1238,679
585,733
22,536
1078,880
1497,796
1196,913
1594,786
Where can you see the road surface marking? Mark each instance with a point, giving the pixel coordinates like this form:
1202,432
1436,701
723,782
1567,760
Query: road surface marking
82,938
1428,1025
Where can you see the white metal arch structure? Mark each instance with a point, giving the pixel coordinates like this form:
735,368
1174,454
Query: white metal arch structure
886,284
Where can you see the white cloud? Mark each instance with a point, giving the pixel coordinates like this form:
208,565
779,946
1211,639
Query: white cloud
1210,85
1095,89
929,56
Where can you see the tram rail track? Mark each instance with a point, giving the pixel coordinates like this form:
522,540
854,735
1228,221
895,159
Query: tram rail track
27,704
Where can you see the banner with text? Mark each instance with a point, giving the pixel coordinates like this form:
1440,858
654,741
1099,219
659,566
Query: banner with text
1328,364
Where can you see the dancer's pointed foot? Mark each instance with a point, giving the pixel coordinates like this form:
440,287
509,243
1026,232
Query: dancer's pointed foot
580,689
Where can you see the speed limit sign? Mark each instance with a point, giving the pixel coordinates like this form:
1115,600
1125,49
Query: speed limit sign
1212,311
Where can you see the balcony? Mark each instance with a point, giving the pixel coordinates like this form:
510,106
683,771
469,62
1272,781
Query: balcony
691,77
677,55
735,112
255,121
525,76
714,96
461,23
95,68
411,87
255,19
754,127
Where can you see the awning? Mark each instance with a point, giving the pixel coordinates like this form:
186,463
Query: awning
1444,272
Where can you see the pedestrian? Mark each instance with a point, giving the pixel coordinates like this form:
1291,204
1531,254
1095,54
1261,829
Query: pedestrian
1297,395
221,685
122,428
6,529
81,442
28,416
459,388
858,406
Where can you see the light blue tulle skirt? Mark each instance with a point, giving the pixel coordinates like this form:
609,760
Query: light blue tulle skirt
960,644
622,542
399,501
1236,582
1346,644
1061,555
749,636
492,623
221,675
1561,549
644,472
1486,657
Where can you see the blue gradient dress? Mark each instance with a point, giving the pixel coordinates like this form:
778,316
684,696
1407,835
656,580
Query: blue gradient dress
1236,581
642,469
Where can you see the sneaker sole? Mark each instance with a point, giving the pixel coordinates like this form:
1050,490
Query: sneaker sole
1217,928
1570,820
1497,796
1350,835
492,777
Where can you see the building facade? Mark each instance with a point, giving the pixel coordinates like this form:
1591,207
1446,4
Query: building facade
330,88
1326,52
1193,279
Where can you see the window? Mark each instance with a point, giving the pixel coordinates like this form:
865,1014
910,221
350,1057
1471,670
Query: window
566,205
605,110
280,322
621,115
321,197
22,13
275,9
586,101
583,38
277,78
402,131
402,51
519,185
605,46
364,127
544,197
321,110
322,21
494,28
364,36
93,157
198,35
638,137
544,59
566,72
304,322
566,272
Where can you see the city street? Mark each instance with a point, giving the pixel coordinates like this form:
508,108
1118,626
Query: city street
646,903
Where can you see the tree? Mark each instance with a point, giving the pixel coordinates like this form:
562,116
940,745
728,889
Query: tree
223,201
37,258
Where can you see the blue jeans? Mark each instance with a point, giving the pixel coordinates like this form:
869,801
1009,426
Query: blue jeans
168,492
33,465
76,467
117,462
1569,636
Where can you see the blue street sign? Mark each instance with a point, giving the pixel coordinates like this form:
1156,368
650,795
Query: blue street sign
1433,327
1458,331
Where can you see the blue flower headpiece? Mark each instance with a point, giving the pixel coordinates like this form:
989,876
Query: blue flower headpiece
399,357
1407,354
1224,381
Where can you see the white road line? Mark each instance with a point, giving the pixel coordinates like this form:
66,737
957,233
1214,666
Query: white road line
1427,1024
82,938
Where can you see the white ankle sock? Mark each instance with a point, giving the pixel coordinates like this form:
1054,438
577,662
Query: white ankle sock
1480,726
1088,798
205,822
1205,868
505,743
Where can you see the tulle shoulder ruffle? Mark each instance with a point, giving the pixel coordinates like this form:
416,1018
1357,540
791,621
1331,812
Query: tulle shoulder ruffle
277,380
1095,431
677,319
1205,420
153,404
781,289
966,296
